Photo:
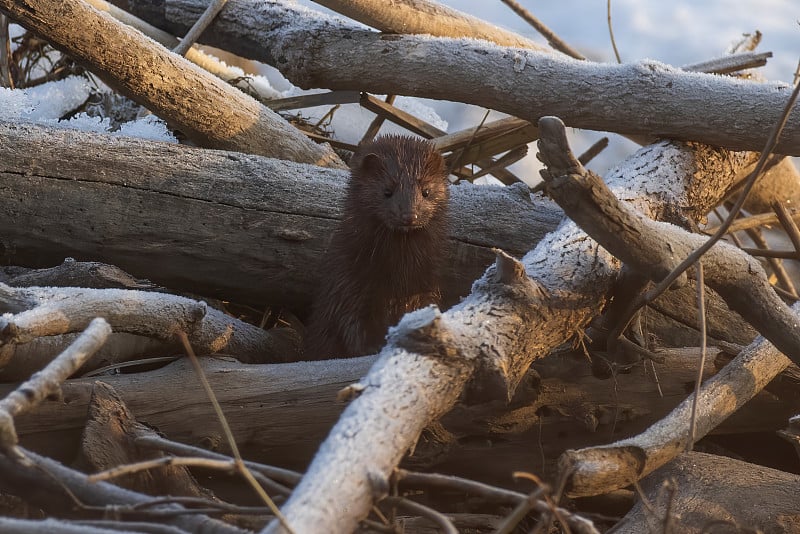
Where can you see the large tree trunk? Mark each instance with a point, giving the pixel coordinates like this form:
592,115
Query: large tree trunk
290,408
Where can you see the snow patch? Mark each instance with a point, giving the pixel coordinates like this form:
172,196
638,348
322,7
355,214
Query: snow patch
53,100
13,104
149,127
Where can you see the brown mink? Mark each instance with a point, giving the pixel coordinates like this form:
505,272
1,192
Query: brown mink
384,259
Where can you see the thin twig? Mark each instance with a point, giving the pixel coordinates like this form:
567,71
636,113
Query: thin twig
200,26
796,73
146,465
165,445
611,32
701,312
785,217
241,467
508,159
454,162
485,491
772,253
730,63
553,39
784,280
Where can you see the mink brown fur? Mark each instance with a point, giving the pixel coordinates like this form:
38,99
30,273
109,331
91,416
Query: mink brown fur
386,255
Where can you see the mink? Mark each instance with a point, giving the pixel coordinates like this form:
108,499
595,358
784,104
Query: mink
386,255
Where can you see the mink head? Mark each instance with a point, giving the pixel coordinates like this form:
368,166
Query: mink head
400,181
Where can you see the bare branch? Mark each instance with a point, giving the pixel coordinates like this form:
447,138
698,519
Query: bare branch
48,381
55,311
654,249
553,39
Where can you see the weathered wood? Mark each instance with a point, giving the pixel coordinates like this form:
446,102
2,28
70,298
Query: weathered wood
207,110
214,223
716,494
717,110
280,412
594,471
231,75
427,17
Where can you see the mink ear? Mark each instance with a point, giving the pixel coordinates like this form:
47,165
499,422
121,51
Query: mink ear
436,165
370,164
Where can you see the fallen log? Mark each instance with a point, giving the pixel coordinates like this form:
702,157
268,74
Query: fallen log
699,492
218,224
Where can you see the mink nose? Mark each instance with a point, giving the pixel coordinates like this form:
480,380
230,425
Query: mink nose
409,219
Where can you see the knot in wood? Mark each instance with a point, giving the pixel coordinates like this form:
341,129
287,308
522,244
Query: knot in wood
511,279
421,332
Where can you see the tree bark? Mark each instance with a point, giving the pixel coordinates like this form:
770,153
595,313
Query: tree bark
716,110
714,494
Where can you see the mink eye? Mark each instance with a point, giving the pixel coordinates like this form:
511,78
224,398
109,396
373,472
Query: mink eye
387,193
426,192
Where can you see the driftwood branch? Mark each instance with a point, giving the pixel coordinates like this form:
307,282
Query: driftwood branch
605,468
524,83
209,111
56,311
